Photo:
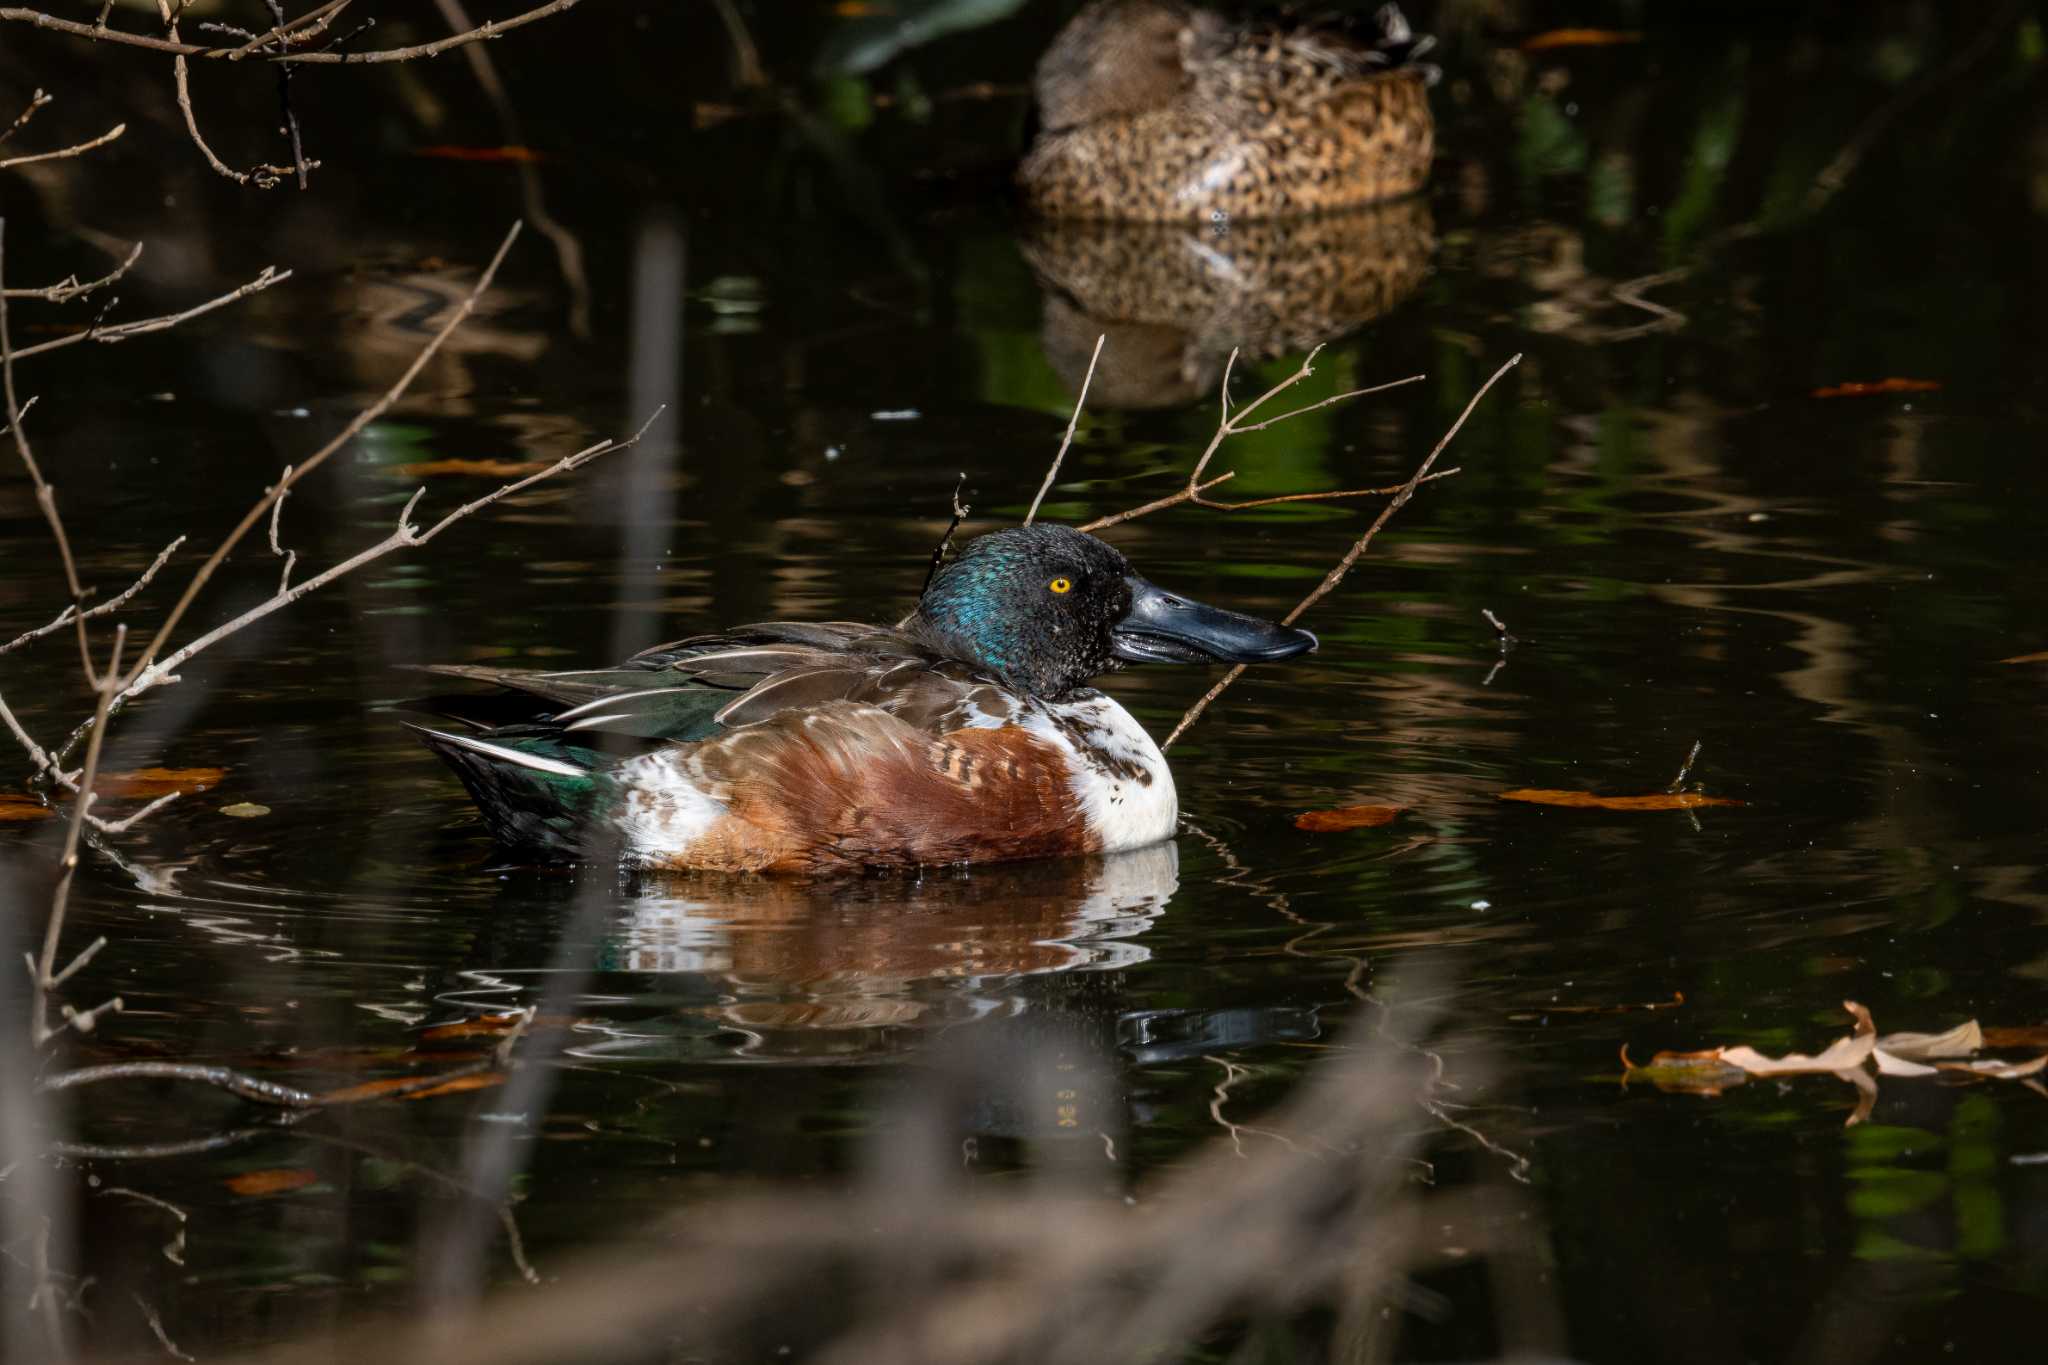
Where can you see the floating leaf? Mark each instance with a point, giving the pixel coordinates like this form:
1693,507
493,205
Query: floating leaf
22,808
1696,1073
271,1182
488,469
1841,1055
510,153
155,782
1960,1041
2039,657
489,1026
1869,388
1345,817
413,1087
1579,37
1539,796
245,810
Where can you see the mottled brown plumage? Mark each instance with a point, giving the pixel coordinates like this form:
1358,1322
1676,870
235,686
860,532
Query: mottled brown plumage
1158,111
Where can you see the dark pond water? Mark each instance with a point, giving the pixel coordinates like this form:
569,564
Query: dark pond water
832,292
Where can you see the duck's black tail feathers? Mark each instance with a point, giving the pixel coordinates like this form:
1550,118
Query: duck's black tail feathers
539,794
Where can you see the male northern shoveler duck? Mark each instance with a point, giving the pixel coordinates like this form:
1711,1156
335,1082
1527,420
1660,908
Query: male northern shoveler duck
966,734
1158,110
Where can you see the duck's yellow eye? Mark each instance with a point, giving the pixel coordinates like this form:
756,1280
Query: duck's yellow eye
1061,584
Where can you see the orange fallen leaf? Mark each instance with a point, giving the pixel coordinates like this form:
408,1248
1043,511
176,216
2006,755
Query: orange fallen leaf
1345,817
22,808
2038,657
413,1087
1579,37
154,782
271,1182
489,1026
1866,388
490,469
1540,796
509,153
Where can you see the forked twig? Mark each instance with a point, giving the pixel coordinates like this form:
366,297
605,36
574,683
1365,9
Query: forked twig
1233,423
1351,556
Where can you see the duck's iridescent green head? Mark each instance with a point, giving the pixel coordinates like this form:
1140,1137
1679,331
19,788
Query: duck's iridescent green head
1046,609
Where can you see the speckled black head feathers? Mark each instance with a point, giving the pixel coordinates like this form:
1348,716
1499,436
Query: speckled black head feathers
1034,605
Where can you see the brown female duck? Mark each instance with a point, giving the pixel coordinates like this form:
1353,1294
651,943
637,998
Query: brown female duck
1160,111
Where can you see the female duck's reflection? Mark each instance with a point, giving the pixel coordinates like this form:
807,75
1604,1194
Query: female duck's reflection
1174,300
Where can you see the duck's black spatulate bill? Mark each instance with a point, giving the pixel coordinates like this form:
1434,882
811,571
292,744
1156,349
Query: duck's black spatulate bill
1164,627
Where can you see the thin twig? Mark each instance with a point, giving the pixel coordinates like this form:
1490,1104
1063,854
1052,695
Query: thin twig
263,177
302,29
1351,557
156,1327
114,603
21,120
404,536
177,46
46,497
102,140
1685,768
1079,402
290,557
69,288
45,974
121,331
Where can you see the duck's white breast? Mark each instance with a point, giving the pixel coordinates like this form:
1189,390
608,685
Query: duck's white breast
1120,779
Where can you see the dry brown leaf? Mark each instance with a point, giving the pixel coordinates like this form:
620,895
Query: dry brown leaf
1866,388
1345,817
1841,1055
1960,1041
488,469
154,782
1542,796
1579,37
20,808
271,1182
2038,657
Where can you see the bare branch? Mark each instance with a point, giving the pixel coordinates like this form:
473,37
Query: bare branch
122,331
404,536
1080,401
69,288
113,603
102,140
177,46
46,497
35,104
319,457
1351,556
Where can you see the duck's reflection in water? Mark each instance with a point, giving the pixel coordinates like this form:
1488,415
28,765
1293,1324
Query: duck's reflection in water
1175,300
811,969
